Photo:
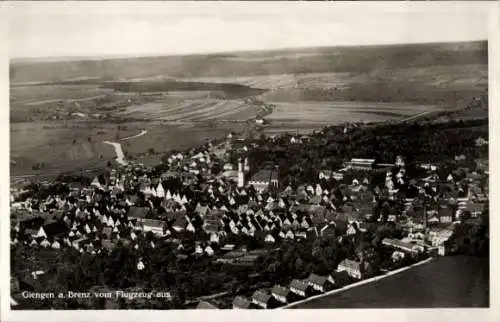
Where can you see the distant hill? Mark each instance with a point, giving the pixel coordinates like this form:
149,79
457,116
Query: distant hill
362,59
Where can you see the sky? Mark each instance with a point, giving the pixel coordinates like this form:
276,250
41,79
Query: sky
137,29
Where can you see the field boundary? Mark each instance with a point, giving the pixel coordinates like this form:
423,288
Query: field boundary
363,282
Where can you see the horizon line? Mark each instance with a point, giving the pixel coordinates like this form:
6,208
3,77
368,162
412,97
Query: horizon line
219,52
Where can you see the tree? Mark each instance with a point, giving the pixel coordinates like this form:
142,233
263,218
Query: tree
299,264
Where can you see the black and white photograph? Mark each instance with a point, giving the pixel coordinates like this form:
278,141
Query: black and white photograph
255,156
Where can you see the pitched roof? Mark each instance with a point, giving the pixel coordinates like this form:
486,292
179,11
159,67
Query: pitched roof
398,244
137,212
298,284
241,302
445,211
205,305
108,245
280,291
341,278
475,207
54,228
153,223
316,279
351,264
107,231
263,175
261,296
181,222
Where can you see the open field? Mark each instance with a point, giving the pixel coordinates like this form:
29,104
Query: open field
33,94
167,136
193,110
184,100
443,76
448,282
341,112
52,144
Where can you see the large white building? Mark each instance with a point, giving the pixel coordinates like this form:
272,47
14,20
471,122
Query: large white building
264,179
360,164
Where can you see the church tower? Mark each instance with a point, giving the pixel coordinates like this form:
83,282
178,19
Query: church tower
241,176
246,167
228,145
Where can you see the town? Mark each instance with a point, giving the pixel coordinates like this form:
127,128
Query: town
255,222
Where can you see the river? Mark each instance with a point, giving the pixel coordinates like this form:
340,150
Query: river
447,282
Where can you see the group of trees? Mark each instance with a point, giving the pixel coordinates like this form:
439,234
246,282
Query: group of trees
68,270
329,148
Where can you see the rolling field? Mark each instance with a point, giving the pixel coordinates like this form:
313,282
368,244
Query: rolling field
184,100
52,144
32,95
341,112
440,76
193,110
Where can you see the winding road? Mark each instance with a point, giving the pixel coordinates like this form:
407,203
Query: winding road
135,136
120,156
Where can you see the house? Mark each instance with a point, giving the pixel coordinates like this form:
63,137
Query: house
241,303
209,251
156,226
441,238
413,249
269,239
264,179
325,174
445,215
212,225
180,223
76,186
481,141
355,269
328,230
45,243
190,227
51,229
338,175
475,209
204,305
262,299
228,247
78,243
397,256
138,213
321,283
214,238
341,279
281,294
300,288
107,231
360,164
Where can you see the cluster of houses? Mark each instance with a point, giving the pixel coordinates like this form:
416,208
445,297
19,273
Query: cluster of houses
95,217
188,197
299,289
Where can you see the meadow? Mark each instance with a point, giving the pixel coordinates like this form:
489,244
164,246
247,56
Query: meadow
61,146
341,112
192,110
